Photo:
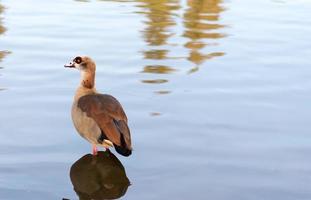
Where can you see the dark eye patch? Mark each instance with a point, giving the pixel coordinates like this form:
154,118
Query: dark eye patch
77,60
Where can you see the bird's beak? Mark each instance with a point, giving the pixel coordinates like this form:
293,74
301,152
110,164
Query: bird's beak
70,65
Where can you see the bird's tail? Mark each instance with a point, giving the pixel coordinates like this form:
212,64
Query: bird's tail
124,151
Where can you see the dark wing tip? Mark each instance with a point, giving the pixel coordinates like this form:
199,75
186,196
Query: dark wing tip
123,151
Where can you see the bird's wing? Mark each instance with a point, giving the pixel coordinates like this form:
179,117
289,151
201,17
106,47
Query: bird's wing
109,115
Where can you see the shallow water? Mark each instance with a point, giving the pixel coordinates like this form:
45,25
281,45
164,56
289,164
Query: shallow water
217,94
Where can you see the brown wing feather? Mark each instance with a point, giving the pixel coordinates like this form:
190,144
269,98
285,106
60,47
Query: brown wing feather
109,115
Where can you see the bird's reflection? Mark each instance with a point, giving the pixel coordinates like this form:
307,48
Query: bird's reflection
99,177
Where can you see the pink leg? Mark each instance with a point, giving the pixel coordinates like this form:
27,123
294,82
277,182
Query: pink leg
94,150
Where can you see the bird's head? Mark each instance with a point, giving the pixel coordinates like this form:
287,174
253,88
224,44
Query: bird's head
87,68
82,63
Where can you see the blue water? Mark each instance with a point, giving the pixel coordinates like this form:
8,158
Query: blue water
217,94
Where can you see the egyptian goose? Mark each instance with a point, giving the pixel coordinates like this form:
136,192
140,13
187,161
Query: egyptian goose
99,118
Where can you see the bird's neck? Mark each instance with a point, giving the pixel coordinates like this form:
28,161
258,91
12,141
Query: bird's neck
87,79
87,85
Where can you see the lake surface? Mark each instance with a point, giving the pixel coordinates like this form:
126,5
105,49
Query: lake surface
217,94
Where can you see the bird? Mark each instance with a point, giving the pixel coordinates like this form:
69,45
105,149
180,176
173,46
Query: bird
98,118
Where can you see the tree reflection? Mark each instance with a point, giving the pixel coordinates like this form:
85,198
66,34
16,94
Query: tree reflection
201,22
159,21
2,30
159,18
200,26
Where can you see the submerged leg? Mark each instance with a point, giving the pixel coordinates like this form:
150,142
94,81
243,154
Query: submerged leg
94,150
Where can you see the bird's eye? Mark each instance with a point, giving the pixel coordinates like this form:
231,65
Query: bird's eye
78,60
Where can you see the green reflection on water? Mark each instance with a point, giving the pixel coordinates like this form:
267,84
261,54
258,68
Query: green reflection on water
162,92
157,81
2,28
158,69
156,54
2,31
200,26
201,22
171,25
159,18
159,21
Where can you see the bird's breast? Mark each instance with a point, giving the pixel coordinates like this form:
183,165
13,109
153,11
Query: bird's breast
86,126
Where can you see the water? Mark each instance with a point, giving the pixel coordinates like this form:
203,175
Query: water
217,94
